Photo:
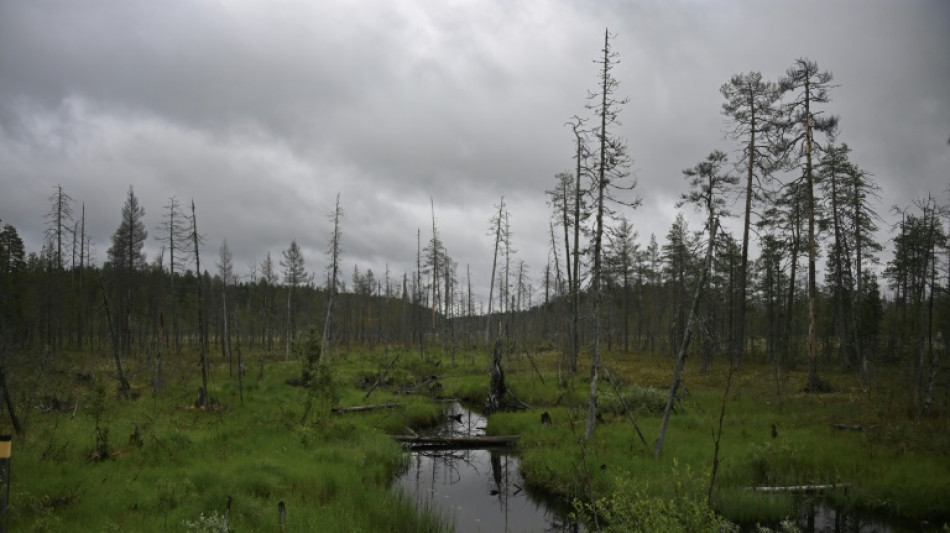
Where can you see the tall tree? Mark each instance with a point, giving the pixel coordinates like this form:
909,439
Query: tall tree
226,271
497,228
12,263
128,242
581,156
751,108
58,223
832,170
611,170
127,256
335,250
859,191
847,192
195,237
679,260
913,273
268,283
173,234
58,231
12,252
621,256
708,187
802,120
80,276
295,274
435,263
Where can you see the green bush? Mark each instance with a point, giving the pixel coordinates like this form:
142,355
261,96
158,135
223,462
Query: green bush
631,509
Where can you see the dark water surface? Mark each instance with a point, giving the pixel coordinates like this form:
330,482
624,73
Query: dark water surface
482,490
816,516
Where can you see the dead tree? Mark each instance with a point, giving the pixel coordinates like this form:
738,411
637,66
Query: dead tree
708,186
9,402
196,239
497,389
124,387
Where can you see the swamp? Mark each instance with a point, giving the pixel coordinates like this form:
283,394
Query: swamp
89,460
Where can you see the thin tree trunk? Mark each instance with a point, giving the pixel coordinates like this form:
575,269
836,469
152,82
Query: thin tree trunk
494,264
598,239
124,387
204,397
576,284
681,358
814,384
744,268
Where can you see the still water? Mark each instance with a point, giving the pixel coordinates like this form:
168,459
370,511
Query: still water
482,490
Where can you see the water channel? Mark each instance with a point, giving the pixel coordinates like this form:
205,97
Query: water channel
481,490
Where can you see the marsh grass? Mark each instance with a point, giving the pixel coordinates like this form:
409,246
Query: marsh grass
895,464
334,472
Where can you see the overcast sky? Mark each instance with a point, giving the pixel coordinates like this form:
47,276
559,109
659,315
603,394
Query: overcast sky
263,111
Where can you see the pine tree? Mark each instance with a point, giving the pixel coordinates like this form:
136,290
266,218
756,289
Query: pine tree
295,274
611,170
751,106
808,87
126,257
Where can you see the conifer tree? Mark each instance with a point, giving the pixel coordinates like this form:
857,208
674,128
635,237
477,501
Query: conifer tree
610,172
801,122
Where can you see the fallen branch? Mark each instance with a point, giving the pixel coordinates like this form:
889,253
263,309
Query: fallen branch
383,376
362,408
845,427
474,442
802,489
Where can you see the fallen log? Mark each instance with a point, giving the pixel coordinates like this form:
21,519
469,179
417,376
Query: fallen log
456,443
802,489
362,408
845,427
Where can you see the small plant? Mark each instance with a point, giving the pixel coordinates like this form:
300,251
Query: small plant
169,494
630,508
100,451
212,523
317,376
785,526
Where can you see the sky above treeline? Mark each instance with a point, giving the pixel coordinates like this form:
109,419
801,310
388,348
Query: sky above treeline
262,112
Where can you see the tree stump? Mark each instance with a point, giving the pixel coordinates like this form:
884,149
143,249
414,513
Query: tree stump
497,388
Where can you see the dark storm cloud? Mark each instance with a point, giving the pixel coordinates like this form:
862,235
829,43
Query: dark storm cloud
264,112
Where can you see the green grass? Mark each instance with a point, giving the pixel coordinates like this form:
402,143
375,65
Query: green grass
334,472
897,464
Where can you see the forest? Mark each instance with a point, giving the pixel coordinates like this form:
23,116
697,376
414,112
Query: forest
790,285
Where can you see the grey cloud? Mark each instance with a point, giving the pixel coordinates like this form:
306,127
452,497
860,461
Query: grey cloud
263,112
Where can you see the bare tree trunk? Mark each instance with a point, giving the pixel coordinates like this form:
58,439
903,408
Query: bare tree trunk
14,419
206,404
497,388
576,280
124,387
744,268
334,269
494,264
681,358
814,384
598,239
226,344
